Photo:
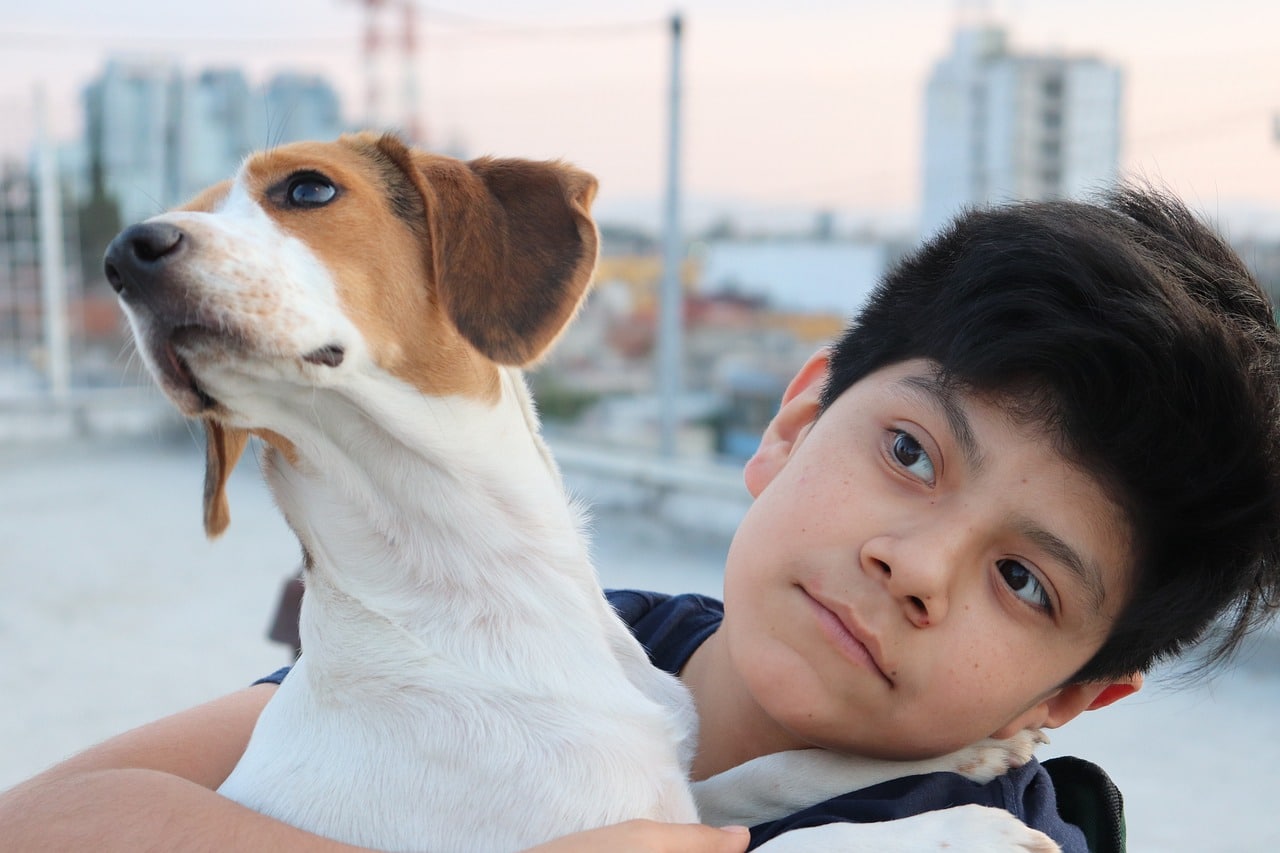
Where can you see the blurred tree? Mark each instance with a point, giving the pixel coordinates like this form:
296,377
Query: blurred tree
99,221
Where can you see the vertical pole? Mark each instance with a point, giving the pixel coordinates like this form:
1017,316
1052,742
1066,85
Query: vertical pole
53,284
409,42
372,42
671,296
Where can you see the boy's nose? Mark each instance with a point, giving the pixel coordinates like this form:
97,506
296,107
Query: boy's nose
917,578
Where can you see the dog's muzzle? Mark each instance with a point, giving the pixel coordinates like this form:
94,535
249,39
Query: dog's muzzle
140,264
143,265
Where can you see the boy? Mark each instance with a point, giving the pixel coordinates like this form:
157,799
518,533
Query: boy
1045,457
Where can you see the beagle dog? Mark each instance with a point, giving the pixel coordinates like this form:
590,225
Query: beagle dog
365,309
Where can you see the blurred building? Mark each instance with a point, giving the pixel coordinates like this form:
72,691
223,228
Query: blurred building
131,120
301,106
217,126
753,311
1001,126
159,136
798,275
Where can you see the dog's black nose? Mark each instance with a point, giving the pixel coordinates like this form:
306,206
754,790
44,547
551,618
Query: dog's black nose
138,252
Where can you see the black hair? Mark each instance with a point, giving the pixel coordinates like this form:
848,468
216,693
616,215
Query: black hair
1138,339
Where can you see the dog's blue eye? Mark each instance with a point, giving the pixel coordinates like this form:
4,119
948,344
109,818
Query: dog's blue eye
310,191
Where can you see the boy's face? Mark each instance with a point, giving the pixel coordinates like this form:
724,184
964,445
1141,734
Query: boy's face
918,571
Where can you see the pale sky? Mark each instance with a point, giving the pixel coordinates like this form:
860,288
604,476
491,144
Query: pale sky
789,105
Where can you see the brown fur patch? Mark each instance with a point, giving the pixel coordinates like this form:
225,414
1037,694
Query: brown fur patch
209,198
379,263
279,443
222,450
514,246
224,445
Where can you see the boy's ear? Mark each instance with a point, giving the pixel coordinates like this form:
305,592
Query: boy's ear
795,415
1071,701
1115,691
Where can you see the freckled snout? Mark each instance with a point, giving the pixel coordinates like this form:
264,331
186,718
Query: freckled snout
143,265
189,306
140,264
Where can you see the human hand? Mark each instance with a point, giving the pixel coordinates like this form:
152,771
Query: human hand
648,836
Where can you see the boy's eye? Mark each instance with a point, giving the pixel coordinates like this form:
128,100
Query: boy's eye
908,452
1024,584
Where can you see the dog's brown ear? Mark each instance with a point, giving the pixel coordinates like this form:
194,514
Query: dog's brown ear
223,447
513,247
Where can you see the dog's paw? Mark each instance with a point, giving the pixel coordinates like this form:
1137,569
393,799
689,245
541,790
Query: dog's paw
963,829
989,758
982,829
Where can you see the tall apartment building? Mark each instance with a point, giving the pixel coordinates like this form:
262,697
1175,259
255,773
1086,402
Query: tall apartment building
159,136
300,106
1002,126
218,124
131,124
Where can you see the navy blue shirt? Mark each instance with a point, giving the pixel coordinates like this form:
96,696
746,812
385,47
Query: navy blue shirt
671,628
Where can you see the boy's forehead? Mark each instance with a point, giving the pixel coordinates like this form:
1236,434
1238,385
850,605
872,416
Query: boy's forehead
1030,412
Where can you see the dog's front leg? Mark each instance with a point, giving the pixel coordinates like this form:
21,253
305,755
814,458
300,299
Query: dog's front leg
658,686
963,829
782,783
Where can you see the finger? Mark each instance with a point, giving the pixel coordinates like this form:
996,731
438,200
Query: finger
696,838
647,836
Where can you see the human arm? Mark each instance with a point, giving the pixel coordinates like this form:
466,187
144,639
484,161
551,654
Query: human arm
155,788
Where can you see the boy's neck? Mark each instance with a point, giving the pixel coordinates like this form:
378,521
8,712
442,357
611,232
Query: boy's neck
732,728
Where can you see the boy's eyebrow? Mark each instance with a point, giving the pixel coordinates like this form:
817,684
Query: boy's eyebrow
943,397
1086,572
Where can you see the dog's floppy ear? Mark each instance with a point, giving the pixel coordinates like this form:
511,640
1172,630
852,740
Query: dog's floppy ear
223,447
513,268
513,247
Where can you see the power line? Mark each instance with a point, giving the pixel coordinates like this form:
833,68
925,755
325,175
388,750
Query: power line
455,26
77,41
1198,131
490,27
566,31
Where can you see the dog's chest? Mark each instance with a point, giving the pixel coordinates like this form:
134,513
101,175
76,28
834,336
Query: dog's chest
444,767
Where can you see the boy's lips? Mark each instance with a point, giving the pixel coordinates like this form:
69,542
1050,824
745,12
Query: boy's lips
849,635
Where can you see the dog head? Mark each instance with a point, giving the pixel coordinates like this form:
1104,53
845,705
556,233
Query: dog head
322,260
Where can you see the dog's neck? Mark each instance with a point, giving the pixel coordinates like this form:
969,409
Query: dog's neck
456,517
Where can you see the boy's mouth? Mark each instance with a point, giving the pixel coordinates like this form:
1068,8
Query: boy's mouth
852,639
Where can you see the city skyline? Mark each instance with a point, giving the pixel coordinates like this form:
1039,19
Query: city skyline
159,135
812,107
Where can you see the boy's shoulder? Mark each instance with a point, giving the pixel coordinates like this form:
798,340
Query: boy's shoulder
670,627
1089,799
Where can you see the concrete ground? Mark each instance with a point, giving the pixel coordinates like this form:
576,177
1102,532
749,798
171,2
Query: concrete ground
114,610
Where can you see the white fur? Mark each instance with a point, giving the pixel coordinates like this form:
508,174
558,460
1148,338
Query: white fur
963,829
465,686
